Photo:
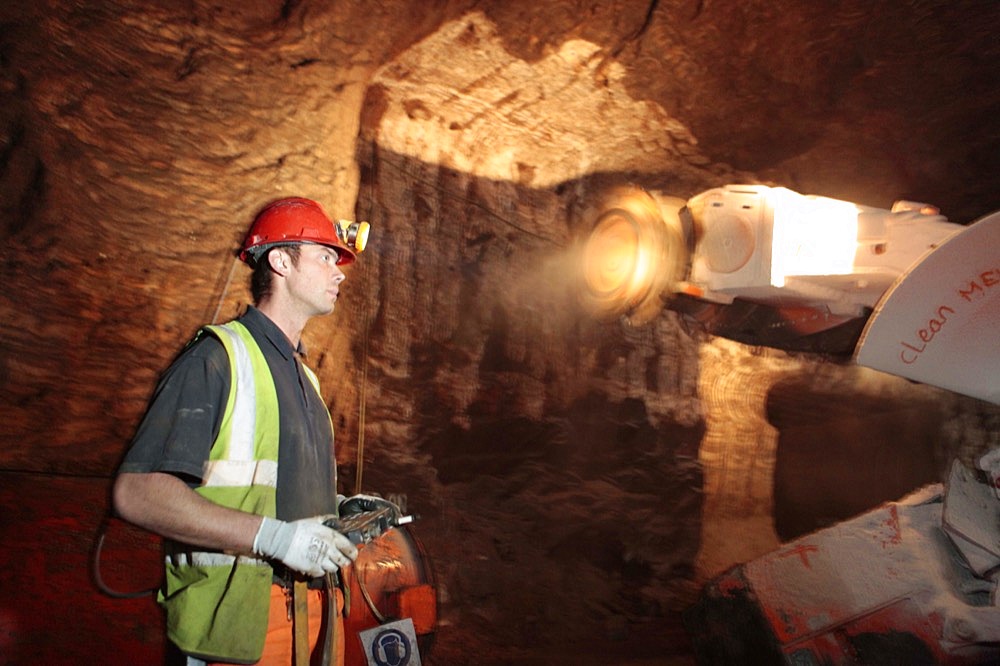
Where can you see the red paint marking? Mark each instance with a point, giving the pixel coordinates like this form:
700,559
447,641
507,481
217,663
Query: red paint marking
910,353
975,288
802,552
985,279
893,524
729,585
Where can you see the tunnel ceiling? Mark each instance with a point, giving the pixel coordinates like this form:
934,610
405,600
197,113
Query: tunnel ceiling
138,140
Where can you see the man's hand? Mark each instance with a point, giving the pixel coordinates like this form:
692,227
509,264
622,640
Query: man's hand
307,546
362,503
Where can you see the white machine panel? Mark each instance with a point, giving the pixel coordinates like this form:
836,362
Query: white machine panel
939,324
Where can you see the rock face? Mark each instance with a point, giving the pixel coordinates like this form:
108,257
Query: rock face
575,479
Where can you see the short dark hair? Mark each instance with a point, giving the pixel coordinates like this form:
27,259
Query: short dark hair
261,279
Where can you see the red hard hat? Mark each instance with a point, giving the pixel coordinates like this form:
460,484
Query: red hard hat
294,220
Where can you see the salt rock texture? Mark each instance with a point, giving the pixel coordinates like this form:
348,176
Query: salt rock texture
575,479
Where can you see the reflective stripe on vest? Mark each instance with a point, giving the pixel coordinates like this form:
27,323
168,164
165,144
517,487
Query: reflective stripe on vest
198,558
243,455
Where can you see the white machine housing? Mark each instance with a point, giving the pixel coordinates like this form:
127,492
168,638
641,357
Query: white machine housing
773,245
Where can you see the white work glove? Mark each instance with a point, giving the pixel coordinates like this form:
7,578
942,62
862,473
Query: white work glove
361,503
307,546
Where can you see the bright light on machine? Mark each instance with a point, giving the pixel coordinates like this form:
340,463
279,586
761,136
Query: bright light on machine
765,245
774,246
811,235
633,255
616,262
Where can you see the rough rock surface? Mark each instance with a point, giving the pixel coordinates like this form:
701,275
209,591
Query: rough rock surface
575,479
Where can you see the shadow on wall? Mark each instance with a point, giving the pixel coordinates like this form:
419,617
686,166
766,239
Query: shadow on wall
567,494
591,514
842,453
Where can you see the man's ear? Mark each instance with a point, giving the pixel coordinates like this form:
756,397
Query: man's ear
279,261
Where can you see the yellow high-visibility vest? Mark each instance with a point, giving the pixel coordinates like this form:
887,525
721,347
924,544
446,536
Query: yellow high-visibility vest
216,602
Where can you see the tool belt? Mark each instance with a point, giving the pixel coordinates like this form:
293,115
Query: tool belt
296,586
286,578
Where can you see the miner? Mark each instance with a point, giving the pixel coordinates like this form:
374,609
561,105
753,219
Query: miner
233,462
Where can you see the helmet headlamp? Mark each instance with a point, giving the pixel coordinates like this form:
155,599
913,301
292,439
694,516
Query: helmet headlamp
353,234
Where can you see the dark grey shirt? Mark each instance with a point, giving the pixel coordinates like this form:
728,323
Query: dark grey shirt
186,410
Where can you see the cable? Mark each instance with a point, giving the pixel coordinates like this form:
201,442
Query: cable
364,369
95,567
361,434
382,619
361,406
225,290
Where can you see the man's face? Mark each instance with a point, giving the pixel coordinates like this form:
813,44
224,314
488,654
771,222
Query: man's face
314,283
